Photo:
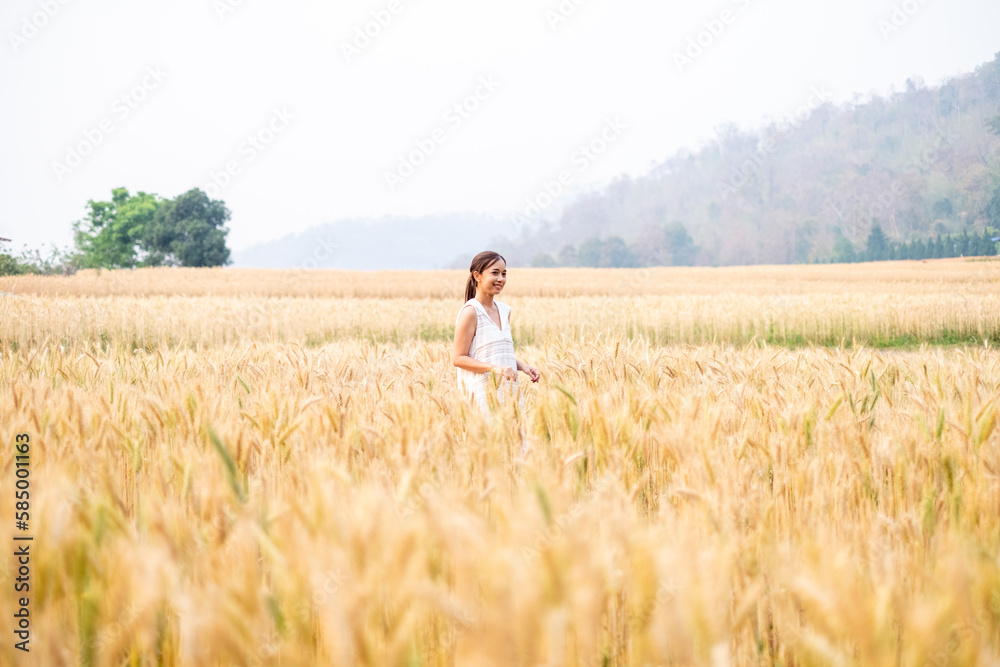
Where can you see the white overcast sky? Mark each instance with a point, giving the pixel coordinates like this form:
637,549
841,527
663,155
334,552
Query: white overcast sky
226,72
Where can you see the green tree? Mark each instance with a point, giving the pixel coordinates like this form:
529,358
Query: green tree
943,208
589,252
937,248
544,261
58,262
614,253
985,245
951,248
804,241
843,252
144,230
877,247
680,245
111,234
188,231
993,208
963,244
9,266
567,256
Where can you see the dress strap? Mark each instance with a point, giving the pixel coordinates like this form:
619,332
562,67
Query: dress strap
472,302
505,314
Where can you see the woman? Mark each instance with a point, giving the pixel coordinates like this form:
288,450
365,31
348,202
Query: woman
483,344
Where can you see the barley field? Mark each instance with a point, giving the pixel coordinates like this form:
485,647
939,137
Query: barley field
763,466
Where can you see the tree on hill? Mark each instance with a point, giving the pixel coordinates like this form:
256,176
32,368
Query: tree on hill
843,251
614,253
986,245
805,234
943,208
993,208
543,261
877,248
680,245
589,252
568,256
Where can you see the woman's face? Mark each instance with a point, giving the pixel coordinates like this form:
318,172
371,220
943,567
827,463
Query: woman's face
492,280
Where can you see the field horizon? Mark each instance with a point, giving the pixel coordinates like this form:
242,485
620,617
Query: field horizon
886,304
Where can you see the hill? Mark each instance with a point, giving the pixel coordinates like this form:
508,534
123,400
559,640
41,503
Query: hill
919,163
428,242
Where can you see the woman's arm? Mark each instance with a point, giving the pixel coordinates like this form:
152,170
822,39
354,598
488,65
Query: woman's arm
530,370
465,331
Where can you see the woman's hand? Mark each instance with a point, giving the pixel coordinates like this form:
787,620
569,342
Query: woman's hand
505,372
532,372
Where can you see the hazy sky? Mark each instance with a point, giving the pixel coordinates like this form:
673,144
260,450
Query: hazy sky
310,117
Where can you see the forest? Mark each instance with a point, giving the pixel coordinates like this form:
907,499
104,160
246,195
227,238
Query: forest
919,165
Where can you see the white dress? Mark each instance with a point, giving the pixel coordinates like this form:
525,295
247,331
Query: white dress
492,345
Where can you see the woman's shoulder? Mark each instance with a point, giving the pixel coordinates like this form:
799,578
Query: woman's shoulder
468,304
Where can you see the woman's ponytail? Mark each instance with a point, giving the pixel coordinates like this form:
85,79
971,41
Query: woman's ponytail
470,288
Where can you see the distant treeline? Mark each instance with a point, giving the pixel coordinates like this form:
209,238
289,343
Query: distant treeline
879,248
673,247
678,249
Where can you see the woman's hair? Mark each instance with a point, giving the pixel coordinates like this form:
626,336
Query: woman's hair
480,263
